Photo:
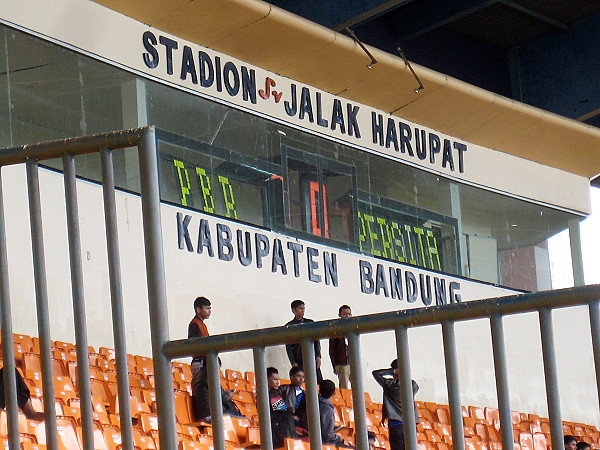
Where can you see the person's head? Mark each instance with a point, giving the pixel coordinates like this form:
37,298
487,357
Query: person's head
202,308
345,312
296,376
272,377
371,438
394,366
583,446
326,389
570,442
298,309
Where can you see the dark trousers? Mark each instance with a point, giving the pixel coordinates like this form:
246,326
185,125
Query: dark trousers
397,437
200,401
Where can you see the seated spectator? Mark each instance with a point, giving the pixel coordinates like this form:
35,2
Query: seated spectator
23,397
583,446
293,394
282,422
327,416
570,442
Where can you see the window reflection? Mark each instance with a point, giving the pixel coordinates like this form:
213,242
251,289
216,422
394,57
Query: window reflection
226,162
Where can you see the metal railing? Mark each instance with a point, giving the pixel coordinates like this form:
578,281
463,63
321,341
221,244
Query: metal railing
400,322
140,139
163,350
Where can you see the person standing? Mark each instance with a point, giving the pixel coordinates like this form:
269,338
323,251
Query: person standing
338,352
294,351
389,380
197,328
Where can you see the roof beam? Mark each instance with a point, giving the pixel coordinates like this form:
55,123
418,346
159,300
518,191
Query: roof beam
426,15
370,14
536,15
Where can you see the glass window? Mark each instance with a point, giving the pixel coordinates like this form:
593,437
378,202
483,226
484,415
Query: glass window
222,161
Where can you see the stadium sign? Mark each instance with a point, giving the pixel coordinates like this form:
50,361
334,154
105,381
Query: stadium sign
246,248
308,106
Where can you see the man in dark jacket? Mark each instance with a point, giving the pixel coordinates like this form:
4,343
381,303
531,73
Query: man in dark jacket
338,352
392,405
294,351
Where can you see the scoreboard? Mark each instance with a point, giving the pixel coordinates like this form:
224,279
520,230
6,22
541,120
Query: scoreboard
219,182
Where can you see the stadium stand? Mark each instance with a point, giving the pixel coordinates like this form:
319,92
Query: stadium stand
481,424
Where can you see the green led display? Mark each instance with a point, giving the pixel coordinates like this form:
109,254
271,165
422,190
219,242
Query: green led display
399,240
205,191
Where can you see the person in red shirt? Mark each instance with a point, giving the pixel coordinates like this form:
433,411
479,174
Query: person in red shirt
197,328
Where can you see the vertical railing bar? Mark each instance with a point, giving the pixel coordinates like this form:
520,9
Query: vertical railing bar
41,301
157,291
262,398
358,392
406,388
312,400
452,382
551,377
10,392
594,312
501,370
216,405
79,315
116,296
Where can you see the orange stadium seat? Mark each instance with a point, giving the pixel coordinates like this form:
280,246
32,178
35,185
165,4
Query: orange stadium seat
295,444
539,441
233,375
144,365
192,431
144,442
431,406
193,445
250,377
183,407
476,412
112,439
66,429
427,445
433,436
32,446
444,430
492,415
526,441
443,415
470,444
247,434
149,422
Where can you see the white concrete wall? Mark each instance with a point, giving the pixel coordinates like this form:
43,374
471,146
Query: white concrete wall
248,298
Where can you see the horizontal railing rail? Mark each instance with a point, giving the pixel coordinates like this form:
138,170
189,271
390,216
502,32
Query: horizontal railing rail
400,321
456,312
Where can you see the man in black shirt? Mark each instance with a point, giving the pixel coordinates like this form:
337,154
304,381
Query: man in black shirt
294,351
